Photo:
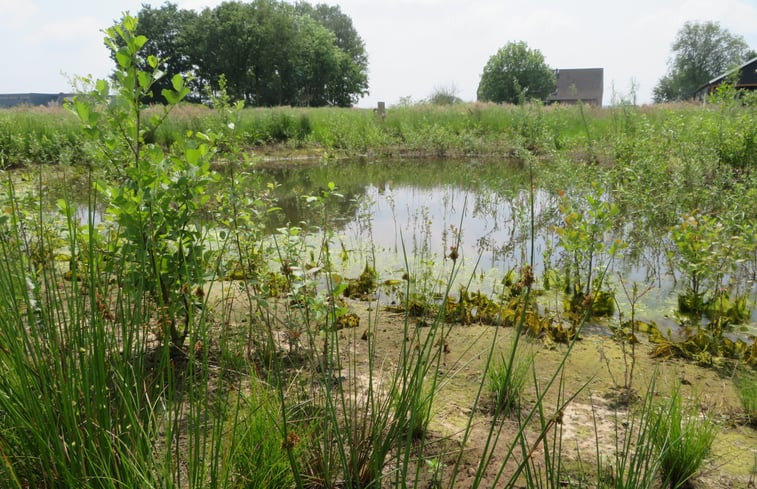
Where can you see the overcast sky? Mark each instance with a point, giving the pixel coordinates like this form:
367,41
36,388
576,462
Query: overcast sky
414,46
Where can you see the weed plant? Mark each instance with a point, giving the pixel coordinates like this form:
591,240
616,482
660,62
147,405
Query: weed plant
635,462
507,381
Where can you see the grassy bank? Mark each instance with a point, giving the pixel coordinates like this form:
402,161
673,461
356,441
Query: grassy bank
606,135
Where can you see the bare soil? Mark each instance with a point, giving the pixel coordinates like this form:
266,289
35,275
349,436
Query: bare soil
589,424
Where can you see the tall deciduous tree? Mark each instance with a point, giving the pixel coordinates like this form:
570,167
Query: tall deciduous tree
270,52
701,51
516,74
352,80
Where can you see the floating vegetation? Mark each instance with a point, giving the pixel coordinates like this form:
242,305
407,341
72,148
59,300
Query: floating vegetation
727,311
705,347
364,285
349,320
599,304
478,308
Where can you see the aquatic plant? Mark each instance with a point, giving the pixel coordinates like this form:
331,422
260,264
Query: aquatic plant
583,236
705,251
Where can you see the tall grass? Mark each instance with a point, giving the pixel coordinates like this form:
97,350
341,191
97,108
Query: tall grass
624,133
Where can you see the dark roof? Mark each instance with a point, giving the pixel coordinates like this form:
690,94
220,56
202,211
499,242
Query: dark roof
722,77
578,84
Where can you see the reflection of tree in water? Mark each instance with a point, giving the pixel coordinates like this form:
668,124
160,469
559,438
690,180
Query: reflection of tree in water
353,179
336,212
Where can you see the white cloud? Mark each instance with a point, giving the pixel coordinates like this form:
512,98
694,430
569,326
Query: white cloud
15,11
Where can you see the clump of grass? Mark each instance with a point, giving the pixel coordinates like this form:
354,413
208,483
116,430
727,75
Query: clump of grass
683,439
257,448
634,463
506,380
746,385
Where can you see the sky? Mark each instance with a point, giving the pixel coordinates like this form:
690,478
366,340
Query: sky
415,47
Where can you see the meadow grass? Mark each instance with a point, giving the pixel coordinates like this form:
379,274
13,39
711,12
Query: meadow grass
605,135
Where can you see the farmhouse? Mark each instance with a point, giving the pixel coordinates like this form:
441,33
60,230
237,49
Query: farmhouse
746,79
581,84
14,99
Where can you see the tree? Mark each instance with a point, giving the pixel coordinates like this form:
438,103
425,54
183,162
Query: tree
352,82
701,52
516,74
444,96
271,52
165,29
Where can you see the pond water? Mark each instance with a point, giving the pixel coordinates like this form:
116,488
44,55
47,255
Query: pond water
406,215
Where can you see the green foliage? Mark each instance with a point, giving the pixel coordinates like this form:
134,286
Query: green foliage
584,236
157,195
635,464
705,252
444,96
271,52
516,74
683,439
166,30
701,51
256,453
746,385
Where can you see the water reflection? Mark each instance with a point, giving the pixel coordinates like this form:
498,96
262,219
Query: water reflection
409,215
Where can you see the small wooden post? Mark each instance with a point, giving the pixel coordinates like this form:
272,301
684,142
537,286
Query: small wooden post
381,110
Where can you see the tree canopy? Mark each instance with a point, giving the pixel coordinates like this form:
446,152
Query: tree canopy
701,52
269,51
516,74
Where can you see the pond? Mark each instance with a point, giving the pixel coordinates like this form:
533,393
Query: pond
406,215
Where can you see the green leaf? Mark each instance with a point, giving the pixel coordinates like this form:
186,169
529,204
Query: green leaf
171,96
140,41
193,156
153,61
145,80
63,206
82,110
102,87
178,82
123,58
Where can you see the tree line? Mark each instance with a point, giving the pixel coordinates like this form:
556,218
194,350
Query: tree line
268,52
700,52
